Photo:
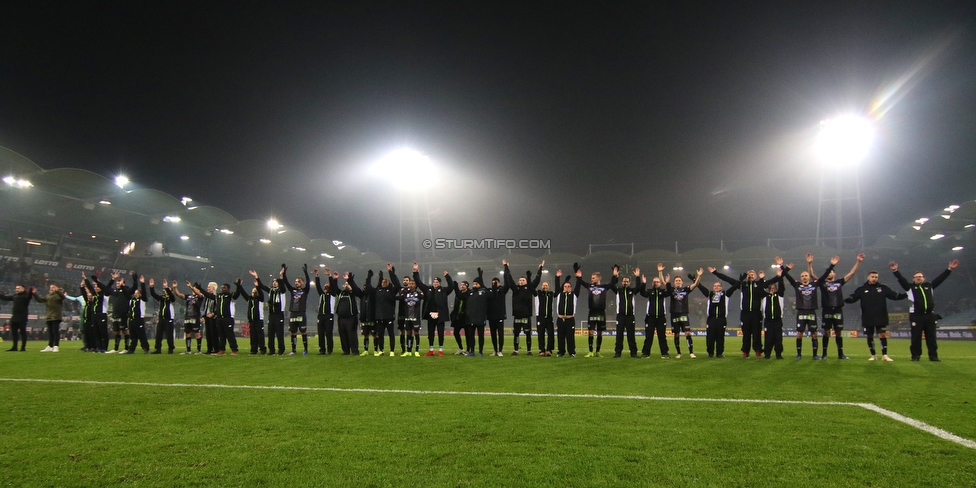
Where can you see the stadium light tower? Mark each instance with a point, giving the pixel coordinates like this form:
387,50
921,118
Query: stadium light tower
413,174
842,143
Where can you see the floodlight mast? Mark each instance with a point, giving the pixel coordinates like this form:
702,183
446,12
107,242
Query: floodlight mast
842,143
412,173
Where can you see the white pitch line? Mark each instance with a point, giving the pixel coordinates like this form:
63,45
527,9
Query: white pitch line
918,424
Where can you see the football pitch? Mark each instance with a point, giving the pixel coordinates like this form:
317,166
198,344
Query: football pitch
74,419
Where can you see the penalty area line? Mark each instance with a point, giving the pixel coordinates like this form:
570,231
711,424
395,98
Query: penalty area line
918,424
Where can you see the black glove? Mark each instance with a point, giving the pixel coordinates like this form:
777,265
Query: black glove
369,274
392,270
742,277
691,276
351,276
239,281
305,268
576,267
283,266
528,275
381,275
480,272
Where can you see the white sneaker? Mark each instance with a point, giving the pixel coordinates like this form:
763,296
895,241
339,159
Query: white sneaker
886,358
677,356
47,349
55,349
873,358
692,356
124,351
111,351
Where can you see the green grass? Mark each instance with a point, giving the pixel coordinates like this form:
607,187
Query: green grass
57,434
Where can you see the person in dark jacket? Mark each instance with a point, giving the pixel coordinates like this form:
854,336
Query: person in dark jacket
119,298
625,313
596,321
772,306
656,319
805,291
544,324
459,321
325,319
873,298
496,315
297,322
193,302
18,314
679,313
750,309
137,319
347,312
522,292
367,315
922,312
255,315
436,308
386,304
277,299
718,312
566,303
476,314
165,315
411,302
832,301
53,302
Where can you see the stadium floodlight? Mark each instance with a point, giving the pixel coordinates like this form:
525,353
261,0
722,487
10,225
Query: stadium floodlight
951,208
17,182
970,226
9,180
327,255
957,248
845,140
173,219
185,201
264,241
726,267
121,181
922,220
462,273
104,202
946,216
937,237
406,168
273,224
184,238
917,227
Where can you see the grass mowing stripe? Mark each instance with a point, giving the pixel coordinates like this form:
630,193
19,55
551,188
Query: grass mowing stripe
943,434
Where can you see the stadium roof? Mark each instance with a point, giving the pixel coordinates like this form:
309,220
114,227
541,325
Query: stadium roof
78,201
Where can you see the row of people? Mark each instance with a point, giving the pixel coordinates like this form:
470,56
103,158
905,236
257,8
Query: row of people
375,309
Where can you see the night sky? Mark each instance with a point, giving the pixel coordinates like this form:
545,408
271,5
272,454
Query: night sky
580,123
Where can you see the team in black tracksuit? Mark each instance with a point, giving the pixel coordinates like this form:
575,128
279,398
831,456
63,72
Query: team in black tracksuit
544,301
277,298
193,302
137,319
255,315
325,320
522,293
717,321
625,313
496,315
596,321
773,315
656,319
476,314
750,310
832,300
873,298
209,311
566,301
436,309
367,314
459,320
164,317
806,305
18,314
119,297
922,312
347,312
386,303
297,322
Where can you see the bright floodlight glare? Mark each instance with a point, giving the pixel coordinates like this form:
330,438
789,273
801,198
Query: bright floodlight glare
10,180
265,241
957,248
845,140
184,238
121,181
273,224
937,237
407,169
